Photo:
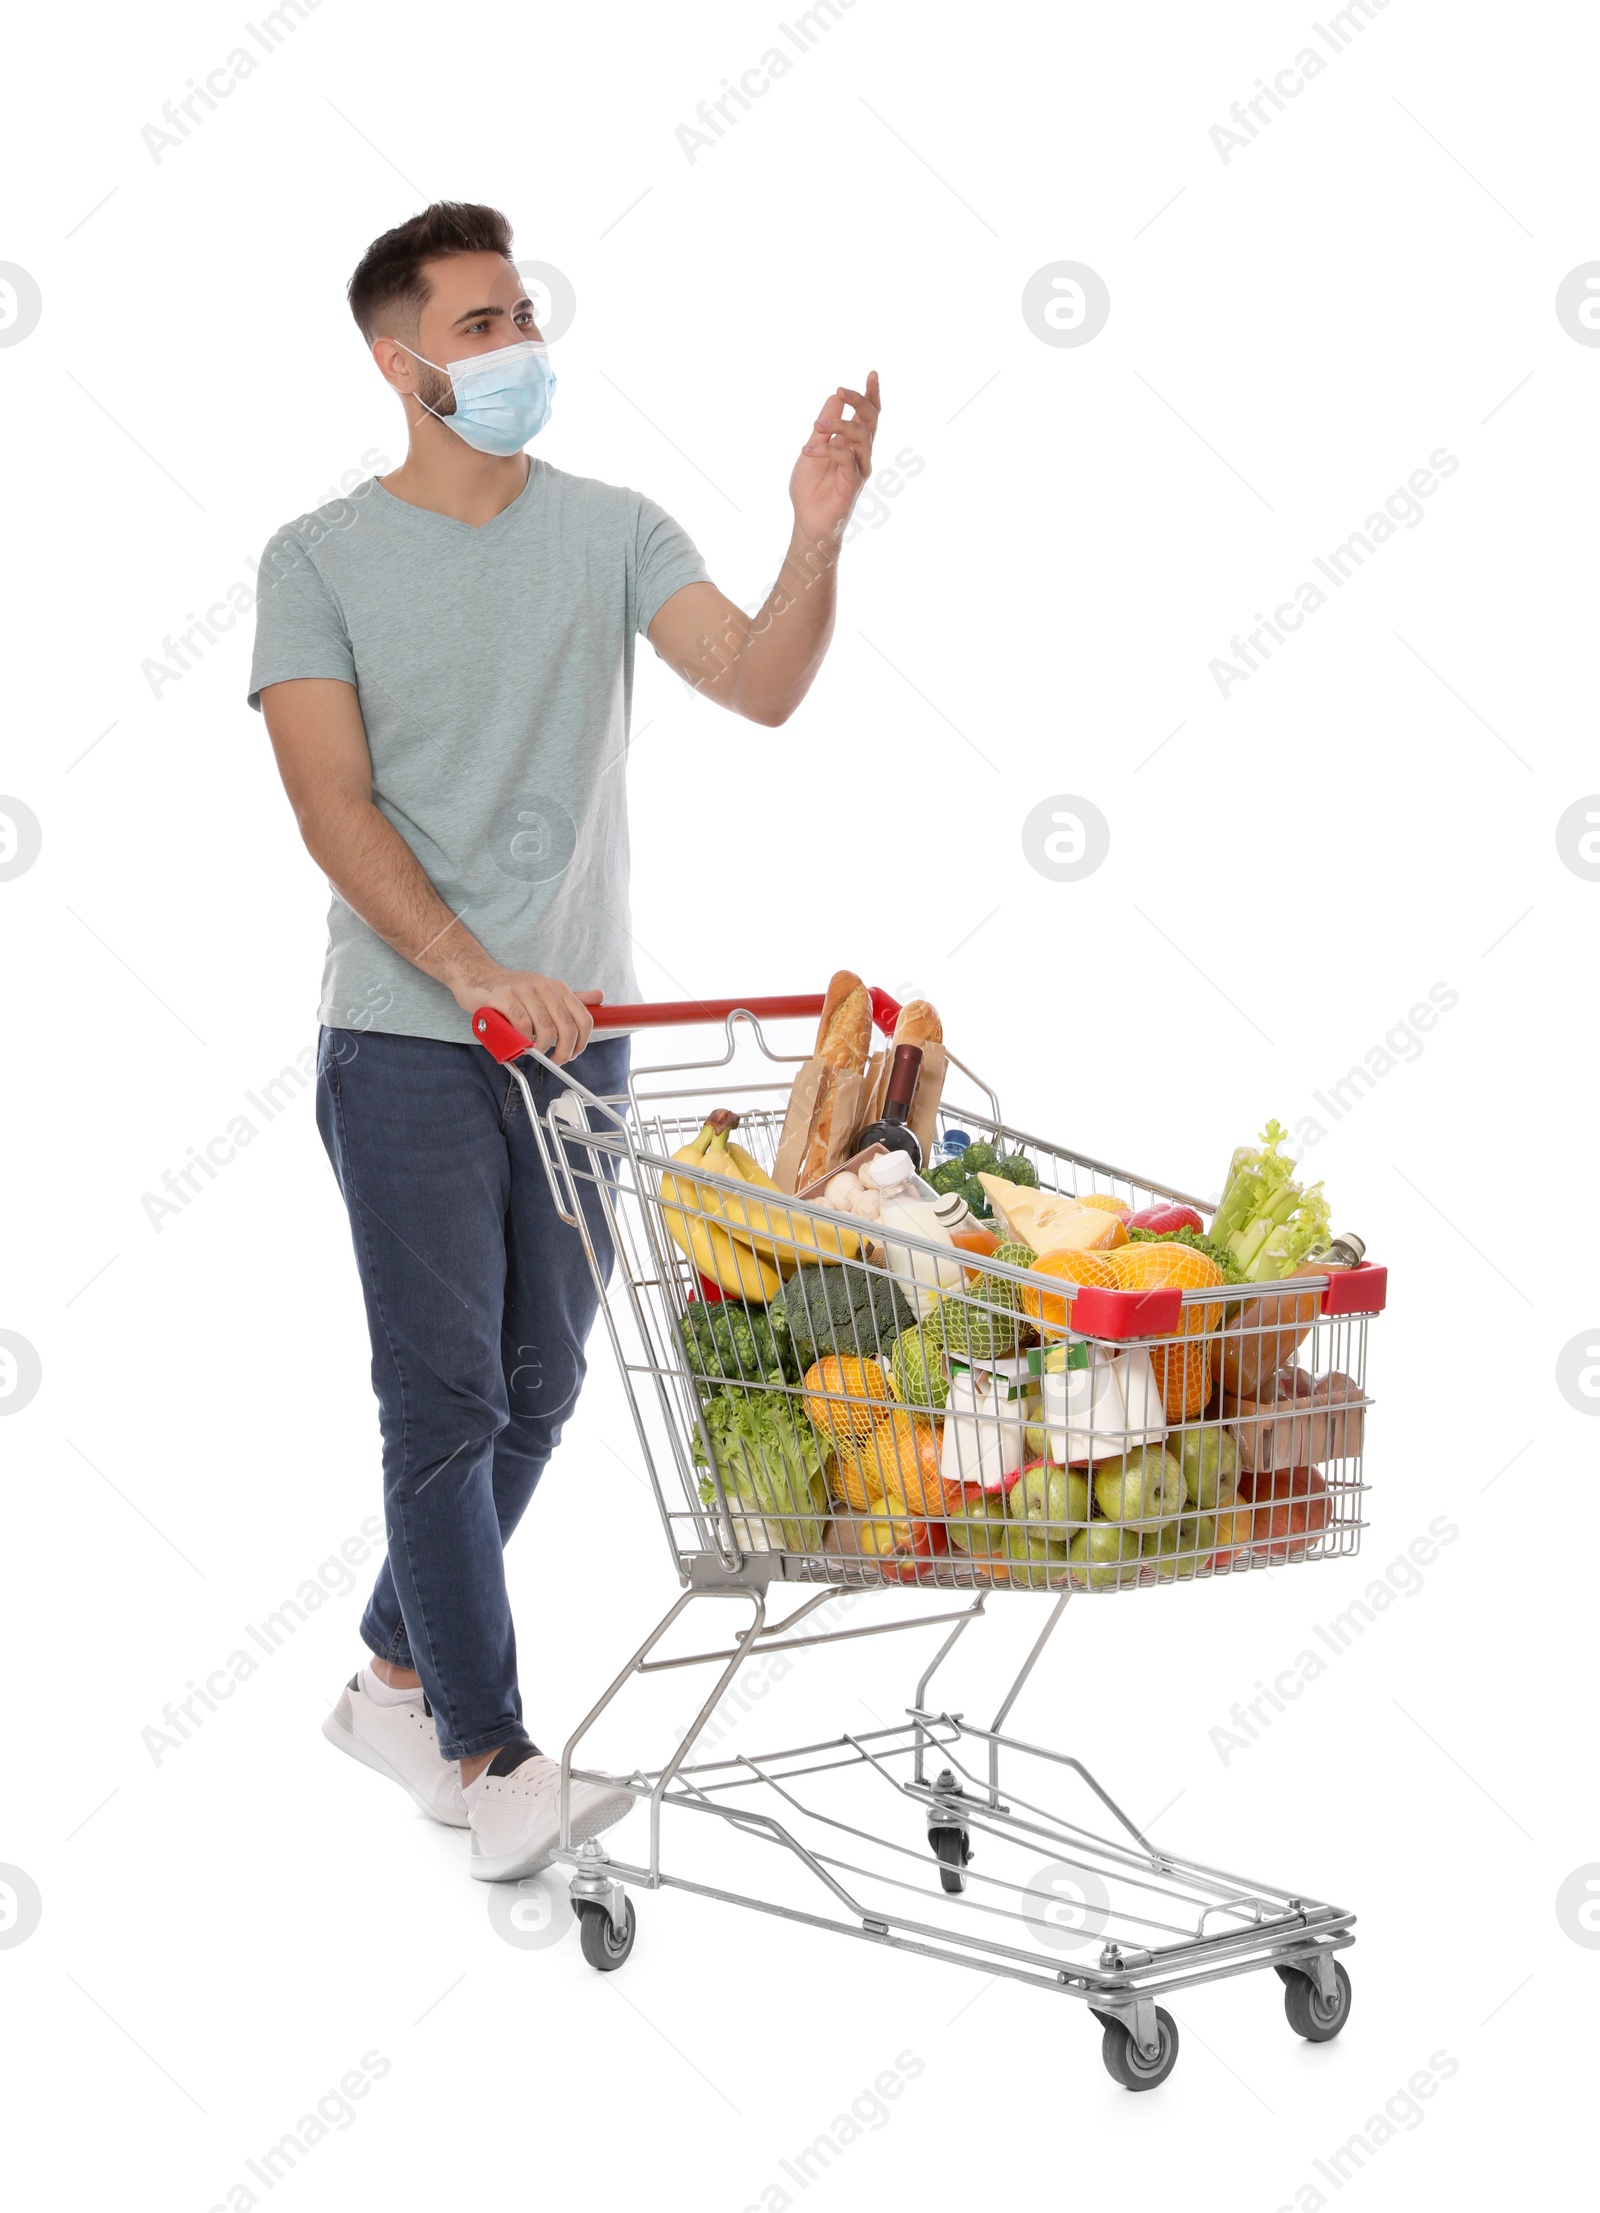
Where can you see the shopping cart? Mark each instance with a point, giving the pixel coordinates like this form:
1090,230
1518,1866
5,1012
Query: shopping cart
1095,1396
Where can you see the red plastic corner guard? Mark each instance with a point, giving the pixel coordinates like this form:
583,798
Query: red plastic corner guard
885,1011
1097,1312
1363,1290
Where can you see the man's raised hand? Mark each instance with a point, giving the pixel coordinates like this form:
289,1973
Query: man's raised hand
835,461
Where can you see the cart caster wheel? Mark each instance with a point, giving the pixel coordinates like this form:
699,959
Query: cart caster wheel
1310,2014
952,1849
1125,2063
604,1946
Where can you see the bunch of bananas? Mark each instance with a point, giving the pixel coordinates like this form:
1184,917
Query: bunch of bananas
739,1240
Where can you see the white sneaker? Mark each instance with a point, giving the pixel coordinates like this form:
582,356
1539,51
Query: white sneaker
515,1815
402,1743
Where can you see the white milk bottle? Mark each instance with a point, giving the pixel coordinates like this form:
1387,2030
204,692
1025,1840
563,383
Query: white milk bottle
924,1276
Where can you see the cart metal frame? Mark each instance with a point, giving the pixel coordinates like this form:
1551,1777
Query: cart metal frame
1154,1921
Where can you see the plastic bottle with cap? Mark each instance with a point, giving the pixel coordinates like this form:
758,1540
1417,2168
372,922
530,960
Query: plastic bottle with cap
908,1204
1347,1251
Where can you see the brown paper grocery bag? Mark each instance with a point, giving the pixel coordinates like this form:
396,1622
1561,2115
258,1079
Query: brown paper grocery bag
874,1082
850,1115
925,1105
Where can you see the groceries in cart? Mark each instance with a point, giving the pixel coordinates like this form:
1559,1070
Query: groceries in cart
933,1357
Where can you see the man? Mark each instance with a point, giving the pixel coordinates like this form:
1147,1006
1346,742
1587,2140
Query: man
445,665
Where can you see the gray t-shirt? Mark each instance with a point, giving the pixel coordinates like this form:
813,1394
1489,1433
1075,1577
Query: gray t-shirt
494,668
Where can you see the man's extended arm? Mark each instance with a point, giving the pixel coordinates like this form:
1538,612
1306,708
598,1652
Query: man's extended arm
321,745
762,665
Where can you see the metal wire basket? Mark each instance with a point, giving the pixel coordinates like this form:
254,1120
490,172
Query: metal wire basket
1167,1434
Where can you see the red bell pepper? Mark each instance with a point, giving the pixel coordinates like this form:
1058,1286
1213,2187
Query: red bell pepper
1162,1220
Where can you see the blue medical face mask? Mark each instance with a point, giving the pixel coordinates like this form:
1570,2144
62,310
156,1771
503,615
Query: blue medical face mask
502,398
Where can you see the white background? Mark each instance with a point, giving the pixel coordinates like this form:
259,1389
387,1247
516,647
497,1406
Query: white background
226,1933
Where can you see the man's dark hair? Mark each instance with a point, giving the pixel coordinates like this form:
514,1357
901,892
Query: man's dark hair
389,274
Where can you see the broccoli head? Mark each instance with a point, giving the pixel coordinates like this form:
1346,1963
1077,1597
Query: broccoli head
981,1156
842,1309
729,1343
1017,1170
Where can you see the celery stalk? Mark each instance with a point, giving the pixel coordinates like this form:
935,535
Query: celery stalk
1245,1244
1253,1178
1306,1231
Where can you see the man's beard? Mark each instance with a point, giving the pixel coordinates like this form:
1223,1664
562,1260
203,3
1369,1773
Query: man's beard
434,390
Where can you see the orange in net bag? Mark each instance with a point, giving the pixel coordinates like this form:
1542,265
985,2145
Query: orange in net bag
1183,1374
900,1462
1049,1313
1155,1267
839,1377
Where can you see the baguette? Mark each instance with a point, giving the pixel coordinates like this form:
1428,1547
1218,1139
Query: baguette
846,1034
918,1024
840,986
844,1038
814,1160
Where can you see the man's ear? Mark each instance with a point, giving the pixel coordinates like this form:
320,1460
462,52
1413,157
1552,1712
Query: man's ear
395,364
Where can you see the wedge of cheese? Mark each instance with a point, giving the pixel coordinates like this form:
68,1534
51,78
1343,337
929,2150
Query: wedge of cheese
1050,1222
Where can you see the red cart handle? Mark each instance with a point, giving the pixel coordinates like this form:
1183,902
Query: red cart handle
505,1041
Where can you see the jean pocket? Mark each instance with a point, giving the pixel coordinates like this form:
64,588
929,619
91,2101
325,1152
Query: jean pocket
334,1048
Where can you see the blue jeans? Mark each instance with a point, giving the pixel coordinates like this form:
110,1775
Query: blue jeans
479,1302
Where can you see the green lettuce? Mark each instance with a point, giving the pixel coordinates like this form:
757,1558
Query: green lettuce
770,1463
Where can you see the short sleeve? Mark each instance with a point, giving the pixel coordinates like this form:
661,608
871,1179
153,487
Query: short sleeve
665,558
299,628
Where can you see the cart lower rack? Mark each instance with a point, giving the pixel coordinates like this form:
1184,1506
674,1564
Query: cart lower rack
1154,1414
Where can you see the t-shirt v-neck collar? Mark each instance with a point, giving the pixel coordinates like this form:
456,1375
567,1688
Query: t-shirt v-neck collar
454,522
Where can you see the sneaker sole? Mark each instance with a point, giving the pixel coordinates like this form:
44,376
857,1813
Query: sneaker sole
357,1747
603,1814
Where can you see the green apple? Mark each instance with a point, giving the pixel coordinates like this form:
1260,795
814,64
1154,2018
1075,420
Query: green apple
978,1525
1210,1460
1104,1556
1046,1493
1145,1486
1179,1548
1036,1564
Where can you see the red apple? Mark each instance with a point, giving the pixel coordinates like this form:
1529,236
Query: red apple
1291,1508
917,1544
1235,1525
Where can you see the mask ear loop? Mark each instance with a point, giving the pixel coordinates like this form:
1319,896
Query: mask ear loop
417,396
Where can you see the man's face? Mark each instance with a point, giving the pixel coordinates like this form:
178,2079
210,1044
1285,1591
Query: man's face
476,304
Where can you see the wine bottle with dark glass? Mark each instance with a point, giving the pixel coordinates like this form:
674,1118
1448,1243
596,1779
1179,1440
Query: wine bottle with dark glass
893,1127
